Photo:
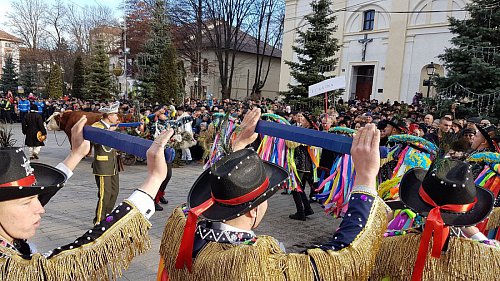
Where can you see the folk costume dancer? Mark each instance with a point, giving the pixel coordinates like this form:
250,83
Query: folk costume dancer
231,199
186,133
447,196
102,252
303,159
155,129
335,187
485,140
489,179
105,165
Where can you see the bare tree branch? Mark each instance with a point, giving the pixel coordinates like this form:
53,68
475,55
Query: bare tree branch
26,20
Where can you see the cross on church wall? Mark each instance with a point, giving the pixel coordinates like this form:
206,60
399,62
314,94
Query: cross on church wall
365,42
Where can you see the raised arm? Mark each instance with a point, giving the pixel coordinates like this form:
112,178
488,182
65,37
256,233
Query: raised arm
103,251
350,254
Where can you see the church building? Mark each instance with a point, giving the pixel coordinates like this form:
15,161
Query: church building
386,45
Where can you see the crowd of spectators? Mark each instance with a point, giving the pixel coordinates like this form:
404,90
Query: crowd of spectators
391,118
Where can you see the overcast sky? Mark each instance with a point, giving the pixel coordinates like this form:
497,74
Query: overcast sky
114,4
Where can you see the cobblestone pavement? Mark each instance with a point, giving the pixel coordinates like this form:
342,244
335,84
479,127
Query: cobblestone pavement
70,212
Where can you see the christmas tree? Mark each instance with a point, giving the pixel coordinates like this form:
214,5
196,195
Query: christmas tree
28,79
9,76
315,51
55,83
78,78
157,64
99,86
474,59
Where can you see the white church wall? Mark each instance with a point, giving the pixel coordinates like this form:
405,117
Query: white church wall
421,49
403,43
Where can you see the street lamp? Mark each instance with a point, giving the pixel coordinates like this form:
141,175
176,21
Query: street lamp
196,90
430,71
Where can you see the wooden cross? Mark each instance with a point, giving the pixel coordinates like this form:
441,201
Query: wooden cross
365,42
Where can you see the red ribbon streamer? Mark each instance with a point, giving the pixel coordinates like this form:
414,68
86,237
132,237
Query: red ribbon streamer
27,181
185,255
434,224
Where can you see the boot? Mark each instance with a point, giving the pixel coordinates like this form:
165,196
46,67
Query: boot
163,200
35,155
298,216
158,207
308,212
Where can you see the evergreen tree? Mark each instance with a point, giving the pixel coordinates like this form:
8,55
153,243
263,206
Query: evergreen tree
98,79
9,76
315,50
78,78
158,61
474,59
55,83
28,79
166,84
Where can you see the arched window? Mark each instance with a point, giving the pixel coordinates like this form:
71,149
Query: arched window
368,20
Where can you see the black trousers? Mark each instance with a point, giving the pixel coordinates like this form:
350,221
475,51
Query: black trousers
21,116
299,198
164,184
5,116
107,192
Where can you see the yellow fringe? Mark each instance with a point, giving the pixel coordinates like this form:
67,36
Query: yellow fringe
494,219
102,259
386,186
292,144
264,260
356,261
465,260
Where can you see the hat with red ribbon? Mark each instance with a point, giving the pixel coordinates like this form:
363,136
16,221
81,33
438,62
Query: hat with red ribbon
230,188
490,135
19,178
447,196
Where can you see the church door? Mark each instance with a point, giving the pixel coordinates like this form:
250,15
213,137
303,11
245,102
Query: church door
364,81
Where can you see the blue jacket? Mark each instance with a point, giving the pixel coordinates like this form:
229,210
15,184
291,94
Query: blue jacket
24,105
40,105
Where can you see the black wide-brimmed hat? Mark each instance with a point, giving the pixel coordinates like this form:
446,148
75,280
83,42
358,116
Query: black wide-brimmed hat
489,134
242,175
398,124
446,182
19,178
229,189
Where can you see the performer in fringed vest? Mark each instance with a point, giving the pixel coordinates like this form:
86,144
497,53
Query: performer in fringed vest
230,198
447,196
102,252
489,178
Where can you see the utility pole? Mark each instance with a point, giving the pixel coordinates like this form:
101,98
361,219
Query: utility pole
125,51
248,81
199,41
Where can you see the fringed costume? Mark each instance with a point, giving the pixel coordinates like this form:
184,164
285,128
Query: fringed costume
275,150
410,152
464,260
336,187
221,254
489,178
100,254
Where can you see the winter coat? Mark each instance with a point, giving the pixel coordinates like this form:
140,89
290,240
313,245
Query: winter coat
24,105
33,123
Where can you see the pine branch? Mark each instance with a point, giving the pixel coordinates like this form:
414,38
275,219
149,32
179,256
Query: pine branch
6,135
